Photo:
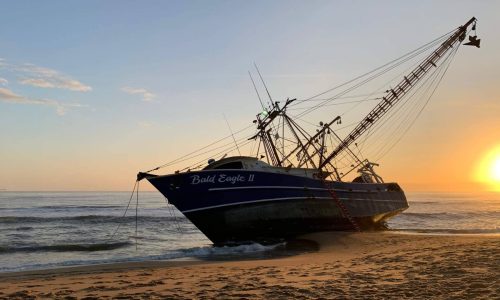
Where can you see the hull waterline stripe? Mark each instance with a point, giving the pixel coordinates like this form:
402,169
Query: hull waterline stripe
280,199
248,202
288,187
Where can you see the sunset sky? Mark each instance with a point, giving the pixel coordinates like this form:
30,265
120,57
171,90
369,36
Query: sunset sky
91,92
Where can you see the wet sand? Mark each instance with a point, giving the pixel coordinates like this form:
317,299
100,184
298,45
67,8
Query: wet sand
347,265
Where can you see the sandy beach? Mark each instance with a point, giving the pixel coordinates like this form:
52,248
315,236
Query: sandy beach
347,265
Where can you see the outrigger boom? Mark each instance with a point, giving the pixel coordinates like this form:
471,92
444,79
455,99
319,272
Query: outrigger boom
396,94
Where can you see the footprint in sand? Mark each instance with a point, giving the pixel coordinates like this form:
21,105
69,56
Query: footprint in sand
124,281
24,294
64,292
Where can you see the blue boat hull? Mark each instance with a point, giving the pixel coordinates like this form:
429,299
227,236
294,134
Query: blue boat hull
234,206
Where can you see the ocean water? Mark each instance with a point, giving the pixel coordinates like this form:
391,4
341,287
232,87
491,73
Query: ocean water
445,213
40,230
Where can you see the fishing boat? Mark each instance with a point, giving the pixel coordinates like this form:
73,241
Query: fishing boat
300,181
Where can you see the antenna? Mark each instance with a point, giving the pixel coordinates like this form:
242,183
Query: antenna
265,86
255,87
232,134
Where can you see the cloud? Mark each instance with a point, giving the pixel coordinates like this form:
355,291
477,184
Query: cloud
3,81
41,77
145,124
37,82
147,96
9,96
49,78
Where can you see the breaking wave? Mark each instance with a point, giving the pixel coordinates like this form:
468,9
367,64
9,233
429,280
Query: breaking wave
85,218
228,250
254,250
66,247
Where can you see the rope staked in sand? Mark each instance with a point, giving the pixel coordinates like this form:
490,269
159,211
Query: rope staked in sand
348,265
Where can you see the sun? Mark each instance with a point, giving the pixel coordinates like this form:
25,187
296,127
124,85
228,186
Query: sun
495,170
488,170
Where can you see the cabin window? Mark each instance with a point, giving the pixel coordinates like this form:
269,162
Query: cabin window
231,166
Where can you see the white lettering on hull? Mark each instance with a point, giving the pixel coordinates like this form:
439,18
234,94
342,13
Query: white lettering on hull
221,178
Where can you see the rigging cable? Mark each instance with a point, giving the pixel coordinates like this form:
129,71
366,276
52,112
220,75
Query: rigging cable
357,85
345,155
380,70
380,67
419,112
128,205
198,150
428,82
185,158
232,135
376,129
395,78
370,132
256,91
226,150
265,86
390,65
136,213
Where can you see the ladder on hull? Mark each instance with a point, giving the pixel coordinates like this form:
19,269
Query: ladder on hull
343,209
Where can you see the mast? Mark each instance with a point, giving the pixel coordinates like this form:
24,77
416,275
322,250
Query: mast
264,132
394,95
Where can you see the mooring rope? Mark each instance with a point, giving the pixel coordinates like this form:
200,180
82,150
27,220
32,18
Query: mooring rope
128,205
